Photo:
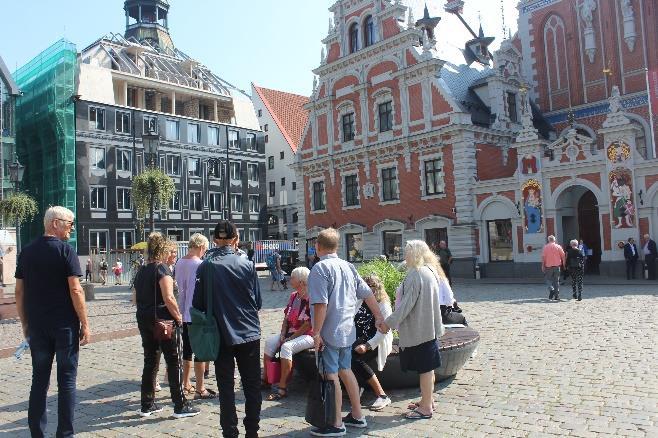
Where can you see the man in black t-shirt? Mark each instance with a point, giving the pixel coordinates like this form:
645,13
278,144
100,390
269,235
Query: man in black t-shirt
51,305
445,258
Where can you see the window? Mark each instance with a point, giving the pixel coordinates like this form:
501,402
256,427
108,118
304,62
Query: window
213,135
123,199
283,182
354,247
150,125
123,160
236,203
351,191
173,130
98,198
174,204
294,185
354,38
124,239
98,241
266,127
175,235
433,177
96,118
195,201
385,116
193,132
233,139
435,235
393,245
282,155
254,204
251,142
97,158
122,122
319,201
511,107
215,200
500,240
173,165
270,163
235,171
254,235
284,214
260,113
295,217
272,189
267,138
348,127
215,168
369,31
252,170
389,184
194,166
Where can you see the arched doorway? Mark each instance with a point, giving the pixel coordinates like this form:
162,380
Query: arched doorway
578,218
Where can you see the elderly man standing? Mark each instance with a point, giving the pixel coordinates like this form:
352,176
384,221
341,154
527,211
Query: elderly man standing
552,260
51,305
650,255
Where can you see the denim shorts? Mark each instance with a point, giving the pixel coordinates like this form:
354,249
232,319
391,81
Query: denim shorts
335,359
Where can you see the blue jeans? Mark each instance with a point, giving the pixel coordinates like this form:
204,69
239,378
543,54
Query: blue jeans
335,359
45,344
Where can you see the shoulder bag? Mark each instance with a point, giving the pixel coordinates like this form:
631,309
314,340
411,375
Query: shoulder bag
203,331
163,329
320,401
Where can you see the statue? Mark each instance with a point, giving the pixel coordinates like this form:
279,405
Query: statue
629,23
615,100
587,9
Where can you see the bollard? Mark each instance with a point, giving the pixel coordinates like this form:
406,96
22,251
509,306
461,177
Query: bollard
477,271
646,270
89,291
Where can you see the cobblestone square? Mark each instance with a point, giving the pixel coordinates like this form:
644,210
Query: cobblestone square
542,369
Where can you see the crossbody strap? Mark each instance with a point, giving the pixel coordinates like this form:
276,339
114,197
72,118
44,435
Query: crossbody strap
155,291
207,284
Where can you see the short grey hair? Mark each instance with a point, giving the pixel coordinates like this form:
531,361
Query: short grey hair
56,212
646,236
573,243
551,238
198,240
300,274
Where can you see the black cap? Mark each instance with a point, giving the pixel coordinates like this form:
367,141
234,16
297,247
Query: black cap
225,230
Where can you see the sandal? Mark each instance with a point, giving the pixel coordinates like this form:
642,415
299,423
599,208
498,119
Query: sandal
415,405
207,394
276,396
189,390
417,415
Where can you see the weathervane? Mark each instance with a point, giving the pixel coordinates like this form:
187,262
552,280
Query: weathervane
476,49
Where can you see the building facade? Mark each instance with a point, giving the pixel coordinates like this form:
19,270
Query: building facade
9,92
208,138
402,145
282,118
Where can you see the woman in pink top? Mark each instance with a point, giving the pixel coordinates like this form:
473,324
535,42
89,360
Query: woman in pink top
186,279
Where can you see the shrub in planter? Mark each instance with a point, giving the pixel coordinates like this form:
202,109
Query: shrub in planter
390,275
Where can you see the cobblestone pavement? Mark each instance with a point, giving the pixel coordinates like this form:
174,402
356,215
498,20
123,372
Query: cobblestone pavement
543,369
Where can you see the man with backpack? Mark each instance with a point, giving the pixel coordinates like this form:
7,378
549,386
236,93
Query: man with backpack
103,271
274,265
575,264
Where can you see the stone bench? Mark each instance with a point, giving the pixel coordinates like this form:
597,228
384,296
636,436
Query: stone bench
457,345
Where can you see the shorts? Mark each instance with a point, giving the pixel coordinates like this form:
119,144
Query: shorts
288,349
421,358
187,346
335,359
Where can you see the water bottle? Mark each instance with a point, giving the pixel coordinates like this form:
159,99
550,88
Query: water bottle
25,345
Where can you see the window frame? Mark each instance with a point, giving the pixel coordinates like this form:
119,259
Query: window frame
124,190
369,36
385,117
348,256
387,182
118,113
195,194
512,107
233,143
271,189
214,129
355,199
250,139
251,166
353,37
179,167
436,173
119,156
96,109
384,244
348,121
257,198
193,127
176,199
282,155
211,202
270,162
91,197
100,250
321,203
123,232
92,150
236,196
146,124
176,123
232,165
198,167
511,238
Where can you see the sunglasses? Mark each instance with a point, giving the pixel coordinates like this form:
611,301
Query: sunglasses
67,222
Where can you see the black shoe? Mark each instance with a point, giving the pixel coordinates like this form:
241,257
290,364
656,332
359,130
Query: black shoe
574,295
579,298
557,297
329,431
349,420
186,411
153,409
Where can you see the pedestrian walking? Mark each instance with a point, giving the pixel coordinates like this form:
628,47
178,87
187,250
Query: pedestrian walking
117,270
88,268
335,290
154,286
445,258
552,260
575,263
236,302
631,255
103,271
650,256
419,322
51,306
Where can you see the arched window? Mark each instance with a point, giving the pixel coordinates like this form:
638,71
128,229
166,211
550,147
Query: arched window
369,31
354,38
555,49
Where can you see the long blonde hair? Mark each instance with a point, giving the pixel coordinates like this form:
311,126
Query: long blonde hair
377,287
421,255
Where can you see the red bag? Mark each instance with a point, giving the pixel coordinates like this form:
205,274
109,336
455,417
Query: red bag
273,369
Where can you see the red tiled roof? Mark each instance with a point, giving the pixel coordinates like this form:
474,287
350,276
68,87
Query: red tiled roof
288,112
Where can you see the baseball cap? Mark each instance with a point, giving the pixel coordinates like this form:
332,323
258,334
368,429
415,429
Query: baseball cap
225,230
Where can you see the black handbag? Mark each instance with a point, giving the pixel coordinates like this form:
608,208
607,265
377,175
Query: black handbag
321,399
163,329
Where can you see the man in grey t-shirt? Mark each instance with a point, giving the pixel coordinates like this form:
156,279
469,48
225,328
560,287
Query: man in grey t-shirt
336,290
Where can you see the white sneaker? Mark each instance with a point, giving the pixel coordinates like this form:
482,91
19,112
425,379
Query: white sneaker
381,402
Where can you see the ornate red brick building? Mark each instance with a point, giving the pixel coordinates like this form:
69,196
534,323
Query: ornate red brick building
554,138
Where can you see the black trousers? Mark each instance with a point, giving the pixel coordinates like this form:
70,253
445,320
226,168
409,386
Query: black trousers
630,268
248,358
360,366
152,350
446,269
650,260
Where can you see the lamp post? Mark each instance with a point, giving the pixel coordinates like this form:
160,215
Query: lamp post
16,172
215,171
151,143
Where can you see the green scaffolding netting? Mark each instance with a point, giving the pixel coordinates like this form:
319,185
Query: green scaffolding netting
45,131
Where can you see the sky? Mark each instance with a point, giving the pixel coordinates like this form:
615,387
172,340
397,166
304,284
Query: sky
274,44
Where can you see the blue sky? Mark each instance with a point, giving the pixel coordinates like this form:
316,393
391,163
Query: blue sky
274,44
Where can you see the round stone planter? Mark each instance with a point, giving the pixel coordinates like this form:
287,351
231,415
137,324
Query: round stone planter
457,345
89,291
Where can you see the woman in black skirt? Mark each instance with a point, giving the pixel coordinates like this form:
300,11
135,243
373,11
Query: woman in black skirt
418,319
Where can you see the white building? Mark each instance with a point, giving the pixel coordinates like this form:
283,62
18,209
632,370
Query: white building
282,118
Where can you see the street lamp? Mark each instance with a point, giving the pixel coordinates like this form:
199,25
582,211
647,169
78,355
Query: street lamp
151,143
16,171
215,171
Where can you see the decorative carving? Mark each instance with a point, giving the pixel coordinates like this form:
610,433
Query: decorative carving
368,190
616,116
529,164
323,56
618,152
629,23
586,10
532,207
411,23
621,195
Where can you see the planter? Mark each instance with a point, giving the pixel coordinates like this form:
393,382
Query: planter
89,291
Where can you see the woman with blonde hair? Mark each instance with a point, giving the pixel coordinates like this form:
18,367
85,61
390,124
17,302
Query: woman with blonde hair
371,344
418,318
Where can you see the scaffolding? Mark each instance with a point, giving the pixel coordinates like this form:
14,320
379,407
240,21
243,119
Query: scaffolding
45,130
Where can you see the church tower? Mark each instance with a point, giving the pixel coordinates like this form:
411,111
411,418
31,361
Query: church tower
148,21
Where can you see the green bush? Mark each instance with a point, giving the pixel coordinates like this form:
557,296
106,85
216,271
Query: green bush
390,275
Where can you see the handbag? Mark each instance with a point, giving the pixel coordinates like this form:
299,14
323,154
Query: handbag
203,331
320,402
163,329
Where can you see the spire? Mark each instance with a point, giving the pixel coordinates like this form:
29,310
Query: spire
428,24
147,21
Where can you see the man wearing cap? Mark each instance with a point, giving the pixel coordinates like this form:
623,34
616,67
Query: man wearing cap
236,302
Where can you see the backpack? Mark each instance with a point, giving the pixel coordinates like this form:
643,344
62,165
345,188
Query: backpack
271,262
577,261
104,266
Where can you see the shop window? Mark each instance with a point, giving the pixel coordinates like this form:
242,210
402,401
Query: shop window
500,240
393,245
354,247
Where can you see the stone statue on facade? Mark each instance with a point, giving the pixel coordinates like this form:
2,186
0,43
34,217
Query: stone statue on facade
629,23
586,10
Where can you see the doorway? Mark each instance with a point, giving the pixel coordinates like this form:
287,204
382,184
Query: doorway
589,230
